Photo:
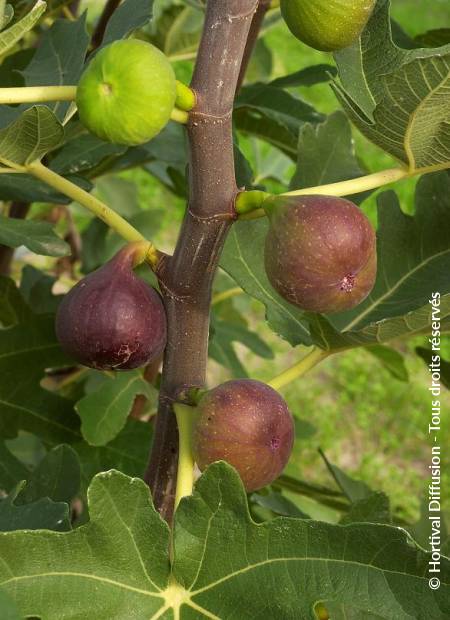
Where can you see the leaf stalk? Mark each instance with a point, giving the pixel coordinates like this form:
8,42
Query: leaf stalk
96,206
185,477
314,357
250,205
37,94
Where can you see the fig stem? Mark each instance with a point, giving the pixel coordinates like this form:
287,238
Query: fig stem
185,477
36,94
249,205
179,116
224,295
186,97
99,208
314,357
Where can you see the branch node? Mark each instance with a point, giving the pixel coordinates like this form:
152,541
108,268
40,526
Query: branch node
211,219
198,119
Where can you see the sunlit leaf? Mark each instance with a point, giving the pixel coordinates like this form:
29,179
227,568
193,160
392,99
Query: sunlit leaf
30,136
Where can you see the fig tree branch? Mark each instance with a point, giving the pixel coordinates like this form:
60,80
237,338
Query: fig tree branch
258,18
99,32
186,278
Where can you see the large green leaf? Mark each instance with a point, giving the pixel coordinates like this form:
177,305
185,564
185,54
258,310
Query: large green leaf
12,471
306,77
83,153
375,508
124,575
273,115
8,608
281,569
38,515
399,99
131,14
326,154
25,188
104,411
57,477
243,260
38,237
9,37
59,59
13,308
26,350
221,349
225,565
128,452
427,356
183,36
409,324
30,136
36,287
392,360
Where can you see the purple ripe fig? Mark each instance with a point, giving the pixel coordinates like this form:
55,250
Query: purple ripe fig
320,253
247,424
111,319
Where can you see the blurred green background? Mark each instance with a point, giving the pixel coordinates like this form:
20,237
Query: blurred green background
369,423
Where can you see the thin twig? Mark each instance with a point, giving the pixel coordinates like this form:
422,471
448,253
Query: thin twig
263,7
99,32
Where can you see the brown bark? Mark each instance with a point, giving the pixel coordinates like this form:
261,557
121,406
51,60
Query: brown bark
108,10
258,18
186,278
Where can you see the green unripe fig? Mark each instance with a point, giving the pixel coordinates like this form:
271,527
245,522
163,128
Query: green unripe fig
320,253
247,424
127,92
326,25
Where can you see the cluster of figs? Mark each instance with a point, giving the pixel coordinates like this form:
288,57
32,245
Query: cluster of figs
320,252
320,255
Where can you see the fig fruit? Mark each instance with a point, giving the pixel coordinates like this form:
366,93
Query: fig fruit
127,92
111,319
247,424
324,25
320,253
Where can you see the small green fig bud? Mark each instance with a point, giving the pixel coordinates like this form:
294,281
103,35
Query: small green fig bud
320,253
111,319
327,25
247,424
